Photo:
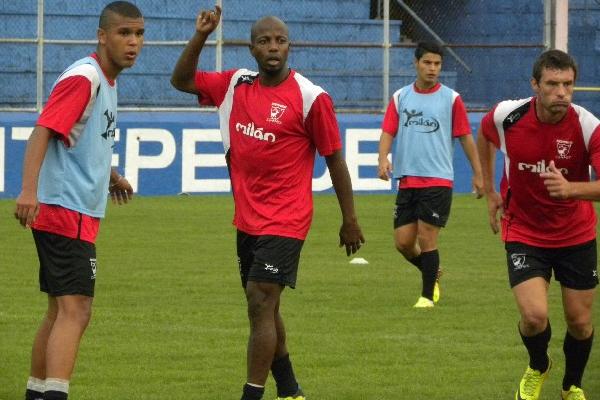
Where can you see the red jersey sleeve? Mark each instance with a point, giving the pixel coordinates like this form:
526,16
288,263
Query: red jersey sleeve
488,128
594,150
66,105
322,127
391,119
212,86
460,121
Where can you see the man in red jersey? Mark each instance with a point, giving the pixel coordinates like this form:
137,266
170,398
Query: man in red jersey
271,122
548,221
66,176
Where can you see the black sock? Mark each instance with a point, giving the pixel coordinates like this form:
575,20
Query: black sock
430,263
577,353
252,392
55,395
416,261
283,373
537,347
33,395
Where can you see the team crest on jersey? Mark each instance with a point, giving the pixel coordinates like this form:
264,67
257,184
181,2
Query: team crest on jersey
518,261
563,147
277,111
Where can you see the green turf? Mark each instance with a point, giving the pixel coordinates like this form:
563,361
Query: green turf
169,316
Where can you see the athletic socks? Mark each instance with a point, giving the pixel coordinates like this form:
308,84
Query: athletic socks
537,347
430,263
252,392
35,389
577,353
416,261
56,389
283,373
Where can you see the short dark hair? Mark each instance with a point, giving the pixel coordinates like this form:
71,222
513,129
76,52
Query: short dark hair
428,47
553,59
122,8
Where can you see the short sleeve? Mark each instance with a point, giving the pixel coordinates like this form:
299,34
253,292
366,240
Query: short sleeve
322,127
489,129
460,120
66,105
212,86
594,150
391,119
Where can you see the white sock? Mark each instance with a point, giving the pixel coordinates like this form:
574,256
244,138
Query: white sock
36,384
57,385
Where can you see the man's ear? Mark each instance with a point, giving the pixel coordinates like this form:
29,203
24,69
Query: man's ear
534,85
101,35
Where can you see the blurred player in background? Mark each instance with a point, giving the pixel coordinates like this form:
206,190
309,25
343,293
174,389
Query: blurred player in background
548,221
66,177
425,117
272,122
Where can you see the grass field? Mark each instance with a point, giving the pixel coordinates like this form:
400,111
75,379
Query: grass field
169,316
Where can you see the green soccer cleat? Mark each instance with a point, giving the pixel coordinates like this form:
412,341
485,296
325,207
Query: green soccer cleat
574,393
531,384
298,396
436,288
423,302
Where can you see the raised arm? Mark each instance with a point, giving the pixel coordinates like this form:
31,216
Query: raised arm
468,145
350,233
487,156
183,77
27,206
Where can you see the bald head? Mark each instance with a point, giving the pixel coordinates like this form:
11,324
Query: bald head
266,24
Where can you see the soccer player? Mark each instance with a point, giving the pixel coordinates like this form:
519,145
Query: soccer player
548,221
425,117
271,122
66,177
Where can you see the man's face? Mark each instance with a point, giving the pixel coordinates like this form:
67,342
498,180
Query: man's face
554,90
123,40
270,47
428,69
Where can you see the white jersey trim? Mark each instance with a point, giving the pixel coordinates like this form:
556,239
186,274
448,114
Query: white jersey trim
309,92
589,123
227,105
87,71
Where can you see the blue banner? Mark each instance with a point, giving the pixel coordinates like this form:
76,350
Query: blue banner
164,153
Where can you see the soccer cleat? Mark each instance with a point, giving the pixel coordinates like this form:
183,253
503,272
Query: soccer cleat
574,393
298,396
531,383
436,288
423,302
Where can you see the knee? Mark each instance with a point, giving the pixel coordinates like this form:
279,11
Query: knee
407,248
534,321
579,326
79,313
260,303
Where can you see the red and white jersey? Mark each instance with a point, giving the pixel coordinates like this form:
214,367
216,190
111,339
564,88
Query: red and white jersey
531,216
271,134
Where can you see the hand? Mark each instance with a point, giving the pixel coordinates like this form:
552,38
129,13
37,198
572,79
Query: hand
27,208
494,201
477,185
351,236
556,184
384,169
120,191
207,21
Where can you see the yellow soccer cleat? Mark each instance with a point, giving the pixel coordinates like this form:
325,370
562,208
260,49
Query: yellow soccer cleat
436,292
298,396
531,384
423,302
574,393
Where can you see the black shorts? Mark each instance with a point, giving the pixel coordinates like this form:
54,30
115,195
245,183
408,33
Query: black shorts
268,258
67,266
431,205
575,267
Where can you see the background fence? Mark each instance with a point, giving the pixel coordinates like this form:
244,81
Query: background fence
346,46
